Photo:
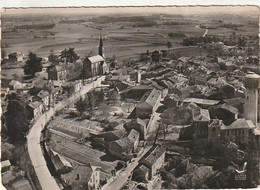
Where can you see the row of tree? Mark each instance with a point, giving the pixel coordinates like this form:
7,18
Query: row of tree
34,63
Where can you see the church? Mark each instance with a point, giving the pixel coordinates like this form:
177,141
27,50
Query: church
95,65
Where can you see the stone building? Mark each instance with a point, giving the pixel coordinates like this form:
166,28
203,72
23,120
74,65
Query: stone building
148,104
95,65
57,72
85,177
152,162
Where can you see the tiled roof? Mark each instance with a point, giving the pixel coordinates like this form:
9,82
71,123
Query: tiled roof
5,163
43,94
201,101
241,123
127,142
229,108
113,135
200,115
22,184
133,135
34,105
96,58
153,156
59,162
84,172
151,98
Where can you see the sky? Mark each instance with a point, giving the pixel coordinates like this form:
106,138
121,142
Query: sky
59,3
138,10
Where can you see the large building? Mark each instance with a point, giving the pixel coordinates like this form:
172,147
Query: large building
252,90
148,104
57,72
95,65
85,177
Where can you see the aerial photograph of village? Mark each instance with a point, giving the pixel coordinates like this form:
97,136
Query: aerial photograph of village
130,98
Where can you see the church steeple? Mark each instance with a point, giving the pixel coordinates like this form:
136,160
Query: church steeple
101,48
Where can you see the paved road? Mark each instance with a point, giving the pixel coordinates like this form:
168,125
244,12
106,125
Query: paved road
46,180
122,177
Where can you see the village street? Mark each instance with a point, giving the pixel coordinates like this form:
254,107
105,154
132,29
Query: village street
46,180
122,176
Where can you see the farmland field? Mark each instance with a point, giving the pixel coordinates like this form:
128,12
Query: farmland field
122,37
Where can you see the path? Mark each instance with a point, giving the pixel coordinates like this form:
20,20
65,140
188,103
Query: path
122,177
46,180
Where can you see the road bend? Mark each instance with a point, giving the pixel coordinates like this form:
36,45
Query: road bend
43,174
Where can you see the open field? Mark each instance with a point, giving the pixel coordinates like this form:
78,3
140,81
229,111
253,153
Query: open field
120,38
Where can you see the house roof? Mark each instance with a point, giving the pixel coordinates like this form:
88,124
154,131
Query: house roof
257,132
241,123
34,105
192,106
46,65
215,123
5,163
154,155
113,135
124,143
200,115
13,82
59,162
174,97
96,58
201,101
121,85
84,172
144,169
151,98
22,184
133,135
127,142
43,94
229,108
139,121
168,83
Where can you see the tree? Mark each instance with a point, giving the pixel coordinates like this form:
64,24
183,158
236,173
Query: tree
32,65
169,45
54,59
69,56
16,118
81,106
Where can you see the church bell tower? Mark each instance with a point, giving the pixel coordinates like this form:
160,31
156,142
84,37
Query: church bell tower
101,50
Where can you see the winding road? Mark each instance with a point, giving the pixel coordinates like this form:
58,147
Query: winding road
46,180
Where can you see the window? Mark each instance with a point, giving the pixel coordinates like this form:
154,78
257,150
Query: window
227,133
214,129
243,132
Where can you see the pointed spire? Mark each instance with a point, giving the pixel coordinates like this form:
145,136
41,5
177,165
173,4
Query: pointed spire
100,40
101,48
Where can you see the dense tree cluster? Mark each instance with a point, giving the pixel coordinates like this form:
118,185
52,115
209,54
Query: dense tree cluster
15,119
32,65
91,100
69,55
192,41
